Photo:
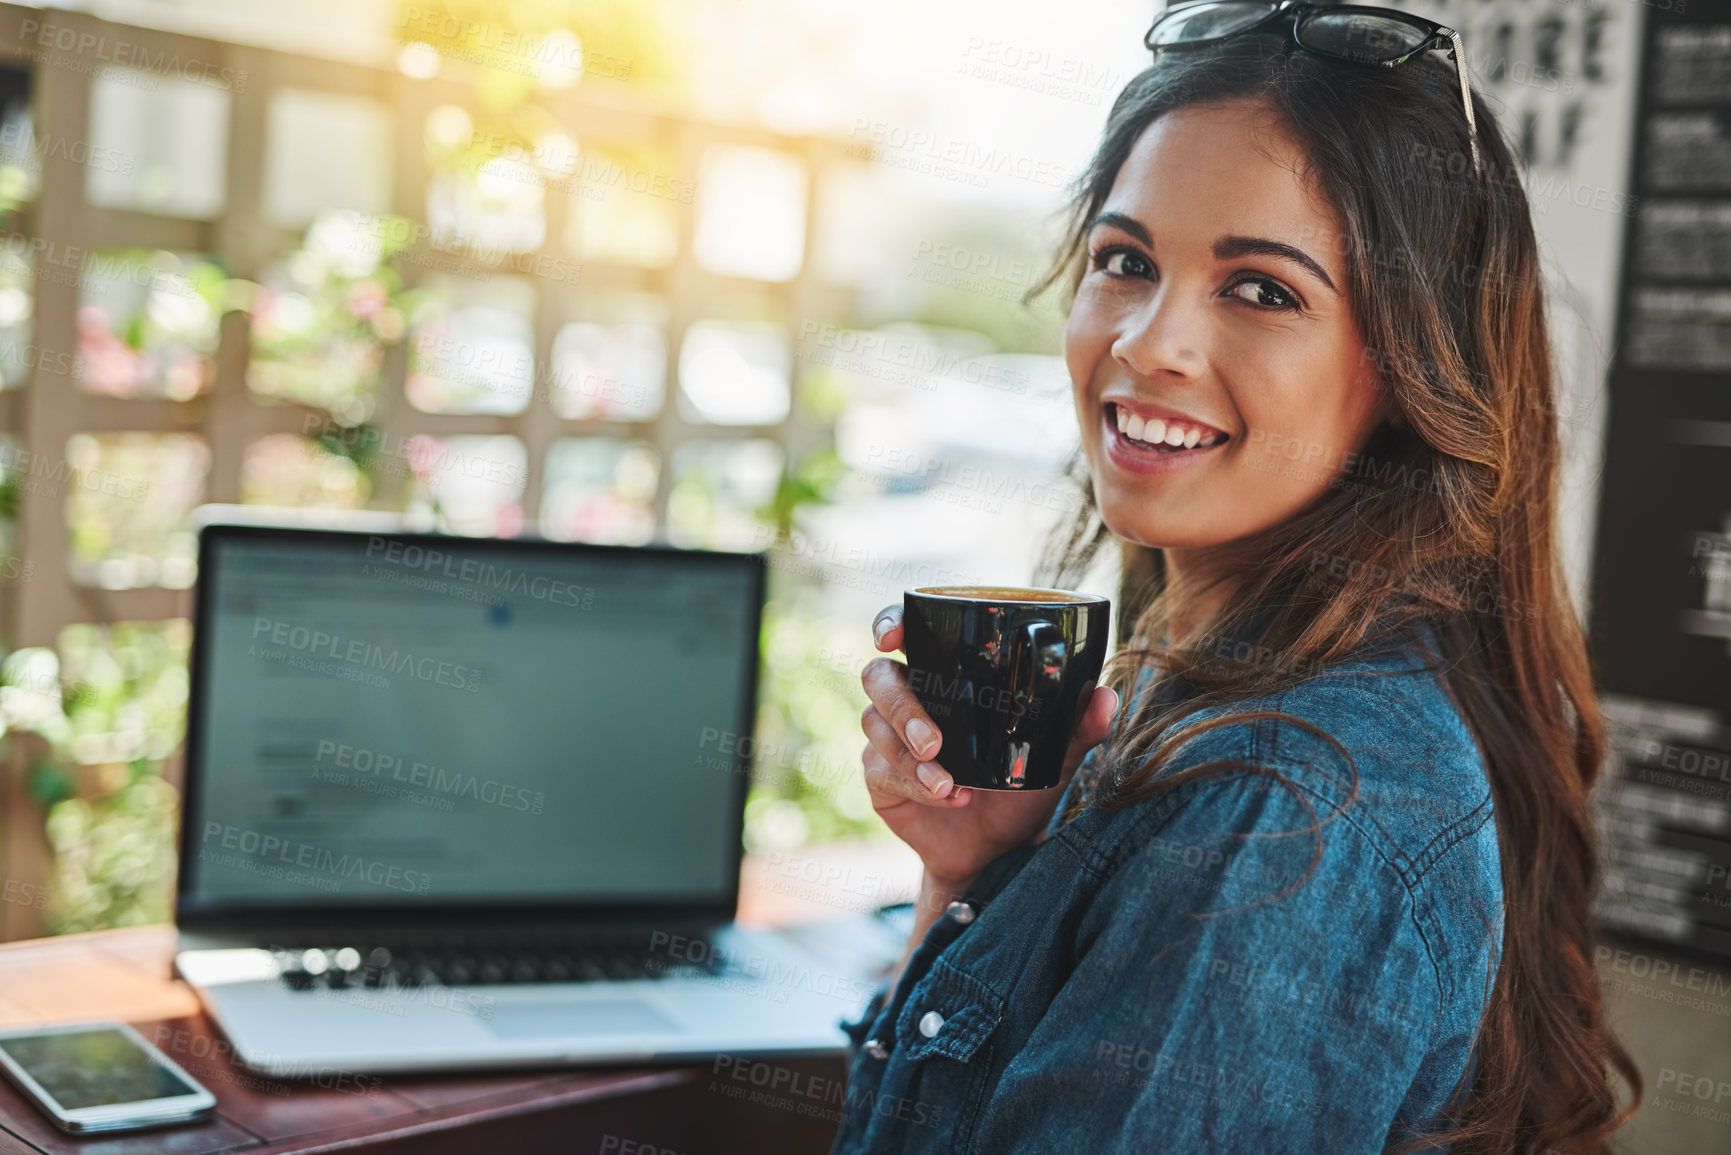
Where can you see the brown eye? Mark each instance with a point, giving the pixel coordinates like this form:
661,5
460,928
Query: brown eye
1122,262
1264,293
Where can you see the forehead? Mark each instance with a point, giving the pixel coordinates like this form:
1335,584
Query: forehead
1209,170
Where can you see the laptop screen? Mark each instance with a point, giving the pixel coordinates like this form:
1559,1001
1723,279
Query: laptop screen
396,720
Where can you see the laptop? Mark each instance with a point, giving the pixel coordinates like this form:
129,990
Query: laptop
465,803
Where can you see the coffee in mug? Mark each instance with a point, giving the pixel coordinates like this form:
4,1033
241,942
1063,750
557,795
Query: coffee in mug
1002,671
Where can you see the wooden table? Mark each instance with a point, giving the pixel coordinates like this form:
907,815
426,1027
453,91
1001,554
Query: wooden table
668,1110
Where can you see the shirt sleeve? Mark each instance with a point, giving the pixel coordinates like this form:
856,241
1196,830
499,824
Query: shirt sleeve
997,874
1248,979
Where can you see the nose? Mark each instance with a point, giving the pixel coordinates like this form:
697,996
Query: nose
1161,338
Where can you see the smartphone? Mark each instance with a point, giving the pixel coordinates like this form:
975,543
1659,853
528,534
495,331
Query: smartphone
100,1077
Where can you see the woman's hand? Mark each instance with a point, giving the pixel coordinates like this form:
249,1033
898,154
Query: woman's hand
955,831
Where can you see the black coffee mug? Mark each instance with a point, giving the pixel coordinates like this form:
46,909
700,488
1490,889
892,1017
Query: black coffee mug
1002,671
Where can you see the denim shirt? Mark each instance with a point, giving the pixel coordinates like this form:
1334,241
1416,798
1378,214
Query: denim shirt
1233,965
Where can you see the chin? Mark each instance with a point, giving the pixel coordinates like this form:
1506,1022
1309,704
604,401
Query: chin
1156,533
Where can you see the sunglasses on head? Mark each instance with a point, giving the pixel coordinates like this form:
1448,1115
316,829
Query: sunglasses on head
1380,37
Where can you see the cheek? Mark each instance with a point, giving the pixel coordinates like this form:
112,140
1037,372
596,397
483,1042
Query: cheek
1293,389
1084,348
1090,331
1302,452
1344,410
1077,339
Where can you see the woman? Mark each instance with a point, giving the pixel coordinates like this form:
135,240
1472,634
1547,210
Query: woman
1325,885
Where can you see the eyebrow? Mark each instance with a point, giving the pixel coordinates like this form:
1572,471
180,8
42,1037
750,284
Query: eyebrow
1226,248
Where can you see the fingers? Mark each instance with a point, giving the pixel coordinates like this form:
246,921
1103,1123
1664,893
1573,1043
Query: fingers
887,628
889,786
892,769
886,684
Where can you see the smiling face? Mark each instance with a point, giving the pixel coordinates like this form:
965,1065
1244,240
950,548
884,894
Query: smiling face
1214,303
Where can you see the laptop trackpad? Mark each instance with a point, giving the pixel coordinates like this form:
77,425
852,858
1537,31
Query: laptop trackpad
544,1020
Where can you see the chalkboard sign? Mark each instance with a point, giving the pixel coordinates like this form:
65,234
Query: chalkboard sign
1660,616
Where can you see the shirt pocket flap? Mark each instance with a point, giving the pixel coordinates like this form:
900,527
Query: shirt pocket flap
959,1010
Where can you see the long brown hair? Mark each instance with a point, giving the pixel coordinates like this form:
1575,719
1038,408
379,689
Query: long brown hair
1446,518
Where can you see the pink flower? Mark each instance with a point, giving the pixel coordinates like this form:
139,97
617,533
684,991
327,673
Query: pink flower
366,298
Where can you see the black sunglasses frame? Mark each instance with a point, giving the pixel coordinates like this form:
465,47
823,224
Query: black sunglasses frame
1436,36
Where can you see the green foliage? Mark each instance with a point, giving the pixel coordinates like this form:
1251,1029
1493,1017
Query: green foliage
113,857
120,710
127,691
806,783
813,480
50,784
360,446
15,191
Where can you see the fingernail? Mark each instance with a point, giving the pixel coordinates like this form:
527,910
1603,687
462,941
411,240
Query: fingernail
921,737
935,779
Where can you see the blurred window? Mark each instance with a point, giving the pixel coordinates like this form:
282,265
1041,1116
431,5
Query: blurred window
750,213
127,500
472,347
285,469
474,483
720,491
854,224
624,205
612,364
158,144
600,489
326,151
323,315
148,323
17,304
494,210
735,373
20,163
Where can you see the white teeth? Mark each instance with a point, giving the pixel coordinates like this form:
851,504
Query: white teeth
1154,431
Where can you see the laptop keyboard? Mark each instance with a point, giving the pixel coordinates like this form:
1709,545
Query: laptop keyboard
492,962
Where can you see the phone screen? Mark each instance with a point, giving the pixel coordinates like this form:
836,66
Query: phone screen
94,1068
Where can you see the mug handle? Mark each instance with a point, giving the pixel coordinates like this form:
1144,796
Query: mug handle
1034,635
1031,637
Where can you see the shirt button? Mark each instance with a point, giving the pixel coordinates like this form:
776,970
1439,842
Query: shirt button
931,1023
876,1049
961,912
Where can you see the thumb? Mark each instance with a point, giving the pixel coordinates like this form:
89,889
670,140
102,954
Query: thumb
1092,727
